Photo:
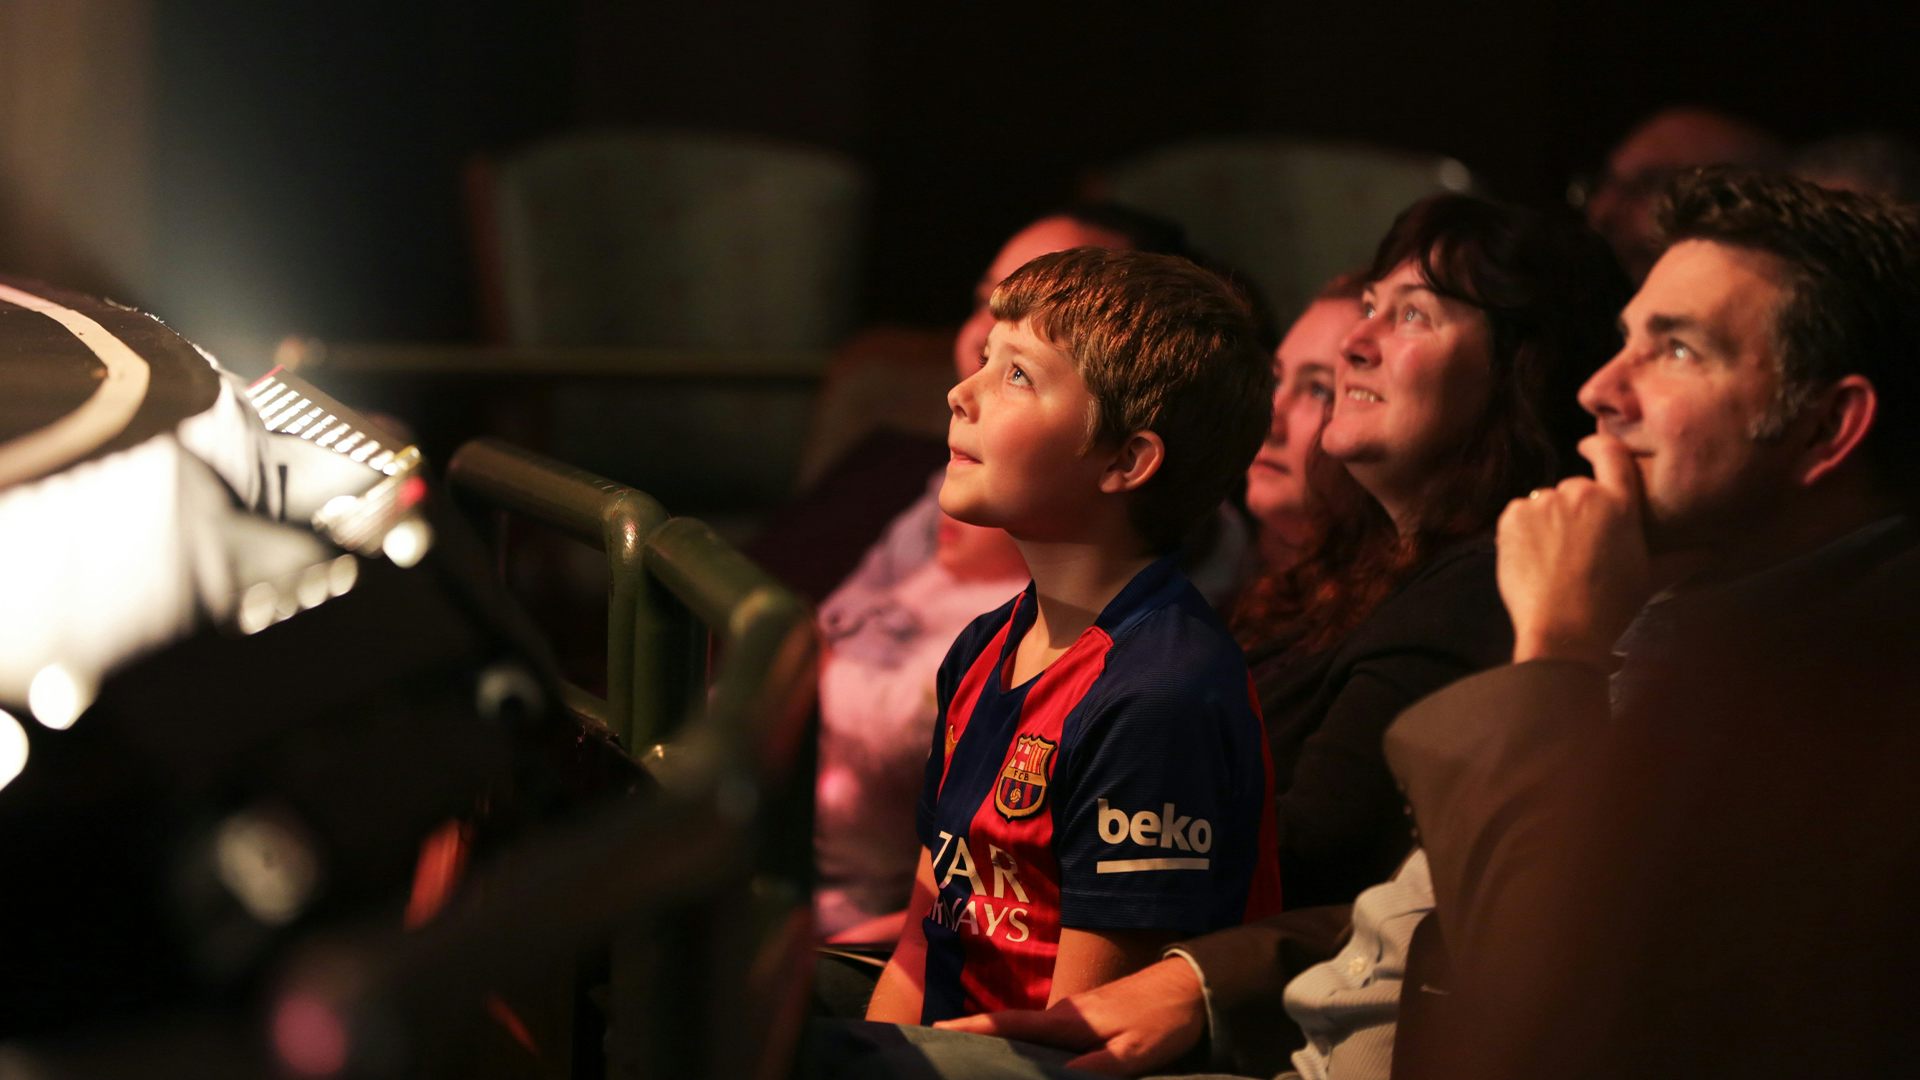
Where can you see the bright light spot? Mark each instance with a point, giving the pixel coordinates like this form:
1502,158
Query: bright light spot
300,424
57,698
1455,176
309,1036
256,608
312,589
341,574
13,748
837,788
266,865
366,451
337,507
407,543
412,490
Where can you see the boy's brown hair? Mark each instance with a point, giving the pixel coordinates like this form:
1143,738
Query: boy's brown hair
1163,346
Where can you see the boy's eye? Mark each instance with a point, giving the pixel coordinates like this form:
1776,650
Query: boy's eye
1015,375
983,358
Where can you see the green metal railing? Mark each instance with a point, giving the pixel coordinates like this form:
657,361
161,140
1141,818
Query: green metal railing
734,751
661,569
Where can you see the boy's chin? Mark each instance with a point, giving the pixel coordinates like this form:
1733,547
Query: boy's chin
967,515
957,507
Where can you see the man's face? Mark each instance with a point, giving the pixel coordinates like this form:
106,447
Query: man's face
1043,237
1018,433
1691,390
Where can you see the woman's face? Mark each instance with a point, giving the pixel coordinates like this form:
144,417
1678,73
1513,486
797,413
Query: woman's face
1303,382
1415,376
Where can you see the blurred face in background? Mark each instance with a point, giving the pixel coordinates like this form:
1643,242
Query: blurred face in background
1621,205
977,553
1303,387
1043,237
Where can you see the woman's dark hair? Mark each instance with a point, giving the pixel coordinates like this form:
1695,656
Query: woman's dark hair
1551,293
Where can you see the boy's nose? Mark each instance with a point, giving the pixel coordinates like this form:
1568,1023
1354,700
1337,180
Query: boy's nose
960,397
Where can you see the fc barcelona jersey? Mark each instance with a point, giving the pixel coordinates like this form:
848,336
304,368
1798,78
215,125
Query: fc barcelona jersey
1126,787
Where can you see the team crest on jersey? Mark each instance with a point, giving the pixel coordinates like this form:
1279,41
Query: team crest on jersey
1022,787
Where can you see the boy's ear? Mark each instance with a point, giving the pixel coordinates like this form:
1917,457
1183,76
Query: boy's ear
1136,461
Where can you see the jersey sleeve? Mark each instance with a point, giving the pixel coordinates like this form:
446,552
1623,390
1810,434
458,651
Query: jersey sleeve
1160,817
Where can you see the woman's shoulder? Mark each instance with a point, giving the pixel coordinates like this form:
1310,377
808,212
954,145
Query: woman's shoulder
1466,564
1451,603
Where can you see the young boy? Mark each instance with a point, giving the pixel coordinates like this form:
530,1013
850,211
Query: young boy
1099,782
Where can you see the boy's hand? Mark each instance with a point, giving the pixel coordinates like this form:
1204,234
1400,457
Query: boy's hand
1126,1028
1573,565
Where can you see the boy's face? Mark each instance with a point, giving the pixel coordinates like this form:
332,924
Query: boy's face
1018,437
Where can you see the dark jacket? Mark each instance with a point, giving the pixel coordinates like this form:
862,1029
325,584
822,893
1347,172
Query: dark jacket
1342,823
1713,876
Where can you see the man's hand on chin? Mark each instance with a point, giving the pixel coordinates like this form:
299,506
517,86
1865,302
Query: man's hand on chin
1128,1027
1573,565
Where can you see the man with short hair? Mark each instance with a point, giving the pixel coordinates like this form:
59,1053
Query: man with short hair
1673,838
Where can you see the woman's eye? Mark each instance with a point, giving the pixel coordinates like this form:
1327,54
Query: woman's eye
1366,309
1412,314
1322,392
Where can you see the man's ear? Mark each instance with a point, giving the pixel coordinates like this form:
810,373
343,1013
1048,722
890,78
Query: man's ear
1847,410
1136,461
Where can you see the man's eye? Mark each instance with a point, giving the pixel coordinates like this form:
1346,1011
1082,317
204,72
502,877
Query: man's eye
1680,350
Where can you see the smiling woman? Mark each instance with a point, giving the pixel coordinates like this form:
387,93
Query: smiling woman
1452,392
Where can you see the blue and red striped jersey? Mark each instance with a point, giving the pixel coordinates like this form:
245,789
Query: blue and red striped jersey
1126,787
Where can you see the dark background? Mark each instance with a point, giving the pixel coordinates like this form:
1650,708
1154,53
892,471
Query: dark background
308,155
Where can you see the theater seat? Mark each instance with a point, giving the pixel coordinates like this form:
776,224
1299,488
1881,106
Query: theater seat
1290,213
689,241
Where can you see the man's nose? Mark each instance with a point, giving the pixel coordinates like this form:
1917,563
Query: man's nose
1608,395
